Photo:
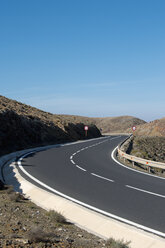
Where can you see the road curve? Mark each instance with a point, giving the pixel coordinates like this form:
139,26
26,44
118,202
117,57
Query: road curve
85,171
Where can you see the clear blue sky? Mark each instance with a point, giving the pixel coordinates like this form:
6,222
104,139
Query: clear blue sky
85,57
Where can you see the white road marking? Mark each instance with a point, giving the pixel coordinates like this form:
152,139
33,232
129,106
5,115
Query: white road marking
115,137
80,168
72,161
107,179
145,191
87,205
87,147
129,168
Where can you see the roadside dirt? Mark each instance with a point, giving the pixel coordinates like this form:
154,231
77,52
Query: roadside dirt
25,225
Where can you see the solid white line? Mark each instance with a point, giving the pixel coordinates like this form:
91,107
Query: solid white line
107,179
128,168
145,191
80,168
89,206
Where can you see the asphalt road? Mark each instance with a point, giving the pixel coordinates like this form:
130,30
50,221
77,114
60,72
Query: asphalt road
86,172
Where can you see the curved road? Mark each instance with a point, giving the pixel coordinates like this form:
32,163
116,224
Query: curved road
86,172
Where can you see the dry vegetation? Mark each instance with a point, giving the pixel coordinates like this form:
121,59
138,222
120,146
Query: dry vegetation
148,143
25,225
151,148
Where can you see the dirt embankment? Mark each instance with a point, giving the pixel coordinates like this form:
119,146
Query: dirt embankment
22,126
149,141
151,148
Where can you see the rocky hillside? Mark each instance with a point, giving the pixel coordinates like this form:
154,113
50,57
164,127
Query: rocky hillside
106,124
150,148
22,126
152,129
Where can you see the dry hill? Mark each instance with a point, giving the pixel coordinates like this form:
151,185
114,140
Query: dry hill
106,124
22,126
149,141
154,128
117,124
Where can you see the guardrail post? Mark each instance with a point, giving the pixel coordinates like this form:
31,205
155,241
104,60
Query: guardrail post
133,163
149,169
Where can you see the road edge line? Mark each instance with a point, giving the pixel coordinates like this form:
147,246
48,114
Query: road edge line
131,223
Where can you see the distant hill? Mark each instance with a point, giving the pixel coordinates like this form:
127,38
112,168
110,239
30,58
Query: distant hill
106,124
117,124
23,126
154,128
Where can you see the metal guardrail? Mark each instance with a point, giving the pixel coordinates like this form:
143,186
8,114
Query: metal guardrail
147,163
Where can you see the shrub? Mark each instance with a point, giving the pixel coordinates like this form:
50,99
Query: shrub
58,217
112,243
17,197
82,243
36,234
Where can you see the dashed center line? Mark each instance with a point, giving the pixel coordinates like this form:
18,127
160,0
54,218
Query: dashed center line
87,147
107,179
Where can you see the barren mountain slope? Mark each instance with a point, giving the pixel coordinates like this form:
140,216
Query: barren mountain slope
22,126
117,124
106,124
39,127
154,128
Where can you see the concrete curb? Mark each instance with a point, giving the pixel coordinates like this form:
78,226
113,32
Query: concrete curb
89,220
